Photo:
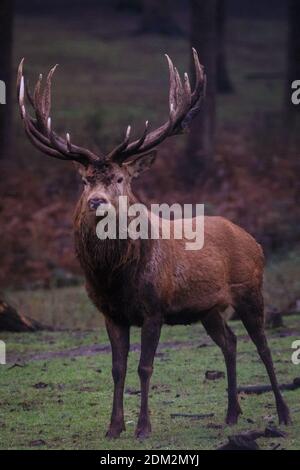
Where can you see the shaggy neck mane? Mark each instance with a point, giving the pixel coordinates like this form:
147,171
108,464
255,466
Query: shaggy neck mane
106,257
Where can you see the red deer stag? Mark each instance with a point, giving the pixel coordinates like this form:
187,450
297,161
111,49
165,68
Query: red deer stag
151,282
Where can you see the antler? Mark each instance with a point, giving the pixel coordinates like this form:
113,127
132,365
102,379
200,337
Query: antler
39,130
183,106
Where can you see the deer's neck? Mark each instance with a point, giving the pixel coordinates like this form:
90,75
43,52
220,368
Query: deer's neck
106,257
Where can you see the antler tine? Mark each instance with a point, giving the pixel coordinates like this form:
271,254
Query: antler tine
187,88
172,92
196,106
37,98
46,98
198,93
68,150
36,91
21,85
39,140
19,77
68,139
183,106
39,130
134,147
28,120
33,134
141,140
179,88
21,92
180,93
183,100
122,146
200,77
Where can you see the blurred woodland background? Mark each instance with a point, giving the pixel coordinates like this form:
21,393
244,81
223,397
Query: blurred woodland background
241,158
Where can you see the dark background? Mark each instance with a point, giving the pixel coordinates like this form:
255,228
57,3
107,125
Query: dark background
241,158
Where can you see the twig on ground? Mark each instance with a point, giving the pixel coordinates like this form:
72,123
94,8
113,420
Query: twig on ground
192,416
247,440
258,389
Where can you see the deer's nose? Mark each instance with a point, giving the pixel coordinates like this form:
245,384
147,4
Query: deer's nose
95,202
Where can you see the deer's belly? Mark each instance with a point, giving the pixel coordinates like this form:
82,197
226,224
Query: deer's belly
183,317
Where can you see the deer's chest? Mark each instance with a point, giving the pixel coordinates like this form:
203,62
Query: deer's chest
122,299
120,290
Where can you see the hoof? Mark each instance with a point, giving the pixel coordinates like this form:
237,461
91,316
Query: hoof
284,415
231,420
142,433
114,432
233,415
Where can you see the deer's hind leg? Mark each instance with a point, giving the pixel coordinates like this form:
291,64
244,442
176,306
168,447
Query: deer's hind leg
250,309
224,337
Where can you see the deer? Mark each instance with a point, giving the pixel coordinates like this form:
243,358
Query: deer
148,283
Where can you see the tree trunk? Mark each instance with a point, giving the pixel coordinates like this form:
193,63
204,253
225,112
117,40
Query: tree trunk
224,84
200,149
293,63
11,320
6,35
157,18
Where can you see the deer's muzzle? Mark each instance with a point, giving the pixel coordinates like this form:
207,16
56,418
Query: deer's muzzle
96,202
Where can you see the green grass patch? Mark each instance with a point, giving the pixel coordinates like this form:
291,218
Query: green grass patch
64,403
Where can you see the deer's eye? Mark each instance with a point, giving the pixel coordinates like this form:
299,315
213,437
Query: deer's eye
119,180
84,182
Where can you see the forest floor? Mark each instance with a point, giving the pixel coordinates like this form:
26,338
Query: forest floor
56,388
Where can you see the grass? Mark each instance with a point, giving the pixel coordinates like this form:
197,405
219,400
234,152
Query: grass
72,411
64,402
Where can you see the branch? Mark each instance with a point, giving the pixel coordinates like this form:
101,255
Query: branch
258,389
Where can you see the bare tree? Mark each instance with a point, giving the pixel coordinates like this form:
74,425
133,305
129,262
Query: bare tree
6,35
200,150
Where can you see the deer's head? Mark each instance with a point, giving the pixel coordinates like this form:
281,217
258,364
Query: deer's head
106,177
106,181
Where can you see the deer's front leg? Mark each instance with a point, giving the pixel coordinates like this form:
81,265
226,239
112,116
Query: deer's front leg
119,339
149,341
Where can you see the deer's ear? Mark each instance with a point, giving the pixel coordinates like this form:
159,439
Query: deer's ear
140,164
79,168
